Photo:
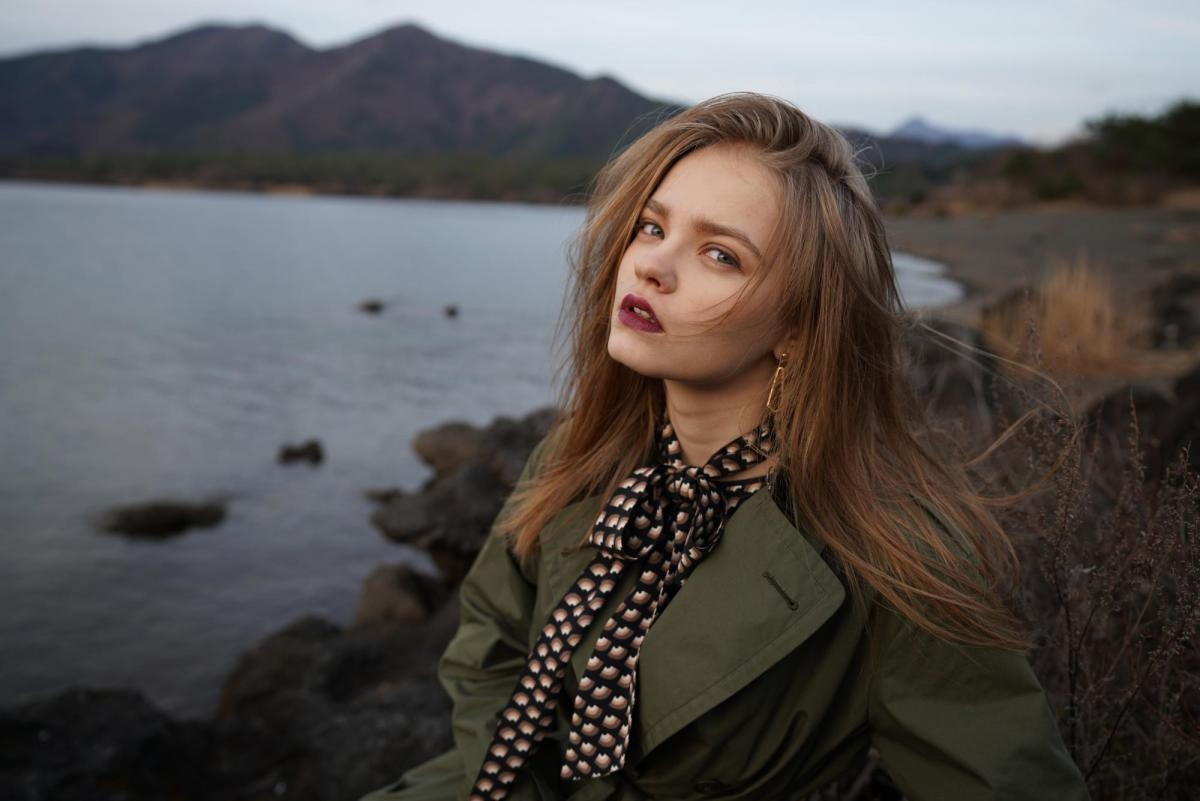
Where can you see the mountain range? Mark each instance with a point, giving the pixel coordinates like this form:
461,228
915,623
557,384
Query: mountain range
223,88
219,88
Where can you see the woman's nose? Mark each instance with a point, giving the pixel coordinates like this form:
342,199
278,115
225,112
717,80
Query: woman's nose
656,266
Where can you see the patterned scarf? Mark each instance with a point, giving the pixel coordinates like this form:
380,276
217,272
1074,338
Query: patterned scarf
672,514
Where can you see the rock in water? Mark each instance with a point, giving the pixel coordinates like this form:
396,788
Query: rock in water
161,518
309,450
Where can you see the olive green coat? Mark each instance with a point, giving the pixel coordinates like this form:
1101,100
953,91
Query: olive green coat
753,683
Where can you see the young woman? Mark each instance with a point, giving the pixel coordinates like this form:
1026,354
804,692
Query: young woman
733,566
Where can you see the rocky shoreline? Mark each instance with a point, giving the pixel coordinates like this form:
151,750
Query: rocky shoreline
316,710
319,711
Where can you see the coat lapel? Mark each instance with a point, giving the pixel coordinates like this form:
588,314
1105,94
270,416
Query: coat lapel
758,595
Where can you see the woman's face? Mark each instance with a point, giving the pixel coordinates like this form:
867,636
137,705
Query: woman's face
696,244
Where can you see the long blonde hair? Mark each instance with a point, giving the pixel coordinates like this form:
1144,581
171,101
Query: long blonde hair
905,526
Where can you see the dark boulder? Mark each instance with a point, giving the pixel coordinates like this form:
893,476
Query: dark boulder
347,710
474,471
159,519
397,593
450,518
96,744
407,518
314,712
503,446
451,445
308,451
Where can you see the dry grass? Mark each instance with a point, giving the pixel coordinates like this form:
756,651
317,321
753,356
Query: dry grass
1077,326
1083,329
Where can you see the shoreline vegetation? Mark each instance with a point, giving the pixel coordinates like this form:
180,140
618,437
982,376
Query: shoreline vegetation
552,181
1120,161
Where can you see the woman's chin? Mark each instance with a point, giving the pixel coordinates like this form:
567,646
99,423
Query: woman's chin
640,365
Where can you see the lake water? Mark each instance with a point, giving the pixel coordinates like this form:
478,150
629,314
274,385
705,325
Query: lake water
157,343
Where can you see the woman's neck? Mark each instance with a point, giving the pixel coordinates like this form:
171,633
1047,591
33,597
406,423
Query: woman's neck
706,420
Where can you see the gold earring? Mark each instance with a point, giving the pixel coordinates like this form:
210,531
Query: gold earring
775,379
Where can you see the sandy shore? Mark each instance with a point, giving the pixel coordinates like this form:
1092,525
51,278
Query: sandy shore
994,253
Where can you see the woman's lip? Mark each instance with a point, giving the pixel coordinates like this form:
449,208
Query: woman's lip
639,323
634,320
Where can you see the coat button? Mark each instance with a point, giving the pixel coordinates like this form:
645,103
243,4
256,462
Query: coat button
710,786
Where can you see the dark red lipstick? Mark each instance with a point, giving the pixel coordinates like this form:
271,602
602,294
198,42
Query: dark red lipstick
637,313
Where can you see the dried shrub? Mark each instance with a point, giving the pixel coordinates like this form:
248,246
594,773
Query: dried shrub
1111,575
1112,591
1074,307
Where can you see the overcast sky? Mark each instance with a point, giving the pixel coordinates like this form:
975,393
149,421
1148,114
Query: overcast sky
1034,69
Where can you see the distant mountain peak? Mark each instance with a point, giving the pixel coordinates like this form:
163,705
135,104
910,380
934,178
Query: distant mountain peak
404,30
406,37
206,31
915,124
919,129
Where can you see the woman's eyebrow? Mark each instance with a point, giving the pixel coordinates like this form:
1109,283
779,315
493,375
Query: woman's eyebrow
707,226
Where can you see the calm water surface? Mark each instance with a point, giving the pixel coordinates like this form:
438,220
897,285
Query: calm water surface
167,343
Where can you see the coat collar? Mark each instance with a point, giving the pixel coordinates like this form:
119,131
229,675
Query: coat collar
759,594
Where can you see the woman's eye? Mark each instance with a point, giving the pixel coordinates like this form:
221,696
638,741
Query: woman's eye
647,227
723,257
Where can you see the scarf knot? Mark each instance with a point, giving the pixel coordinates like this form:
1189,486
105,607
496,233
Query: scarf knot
699,507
